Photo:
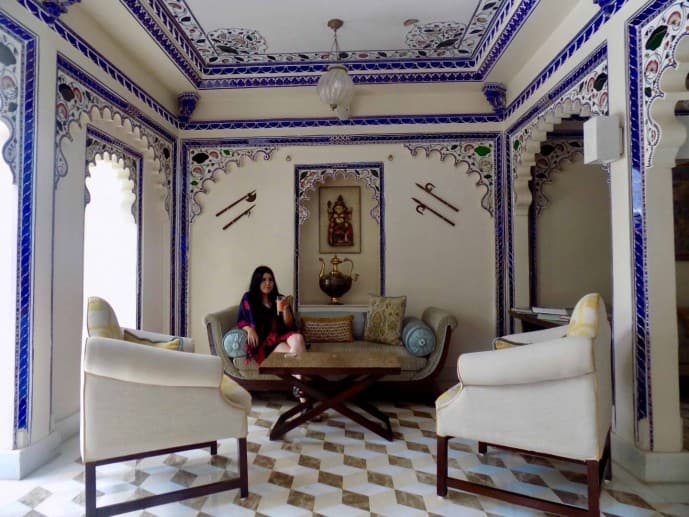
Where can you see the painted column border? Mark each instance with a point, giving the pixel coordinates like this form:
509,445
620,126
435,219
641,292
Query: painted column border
23,131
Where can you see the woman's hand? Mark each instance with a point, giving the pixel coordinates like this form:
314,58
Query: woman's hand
252,336
283,304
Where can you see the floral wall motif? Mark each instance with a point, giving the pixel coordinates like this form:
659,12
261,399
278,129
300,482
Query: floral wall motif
310,178
588,96
478,156
74,99
11,57
205,162
658,42
553,155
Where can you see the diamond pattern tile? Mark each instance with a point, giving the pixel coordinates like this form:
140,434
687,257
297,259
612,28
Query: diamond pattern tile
331,468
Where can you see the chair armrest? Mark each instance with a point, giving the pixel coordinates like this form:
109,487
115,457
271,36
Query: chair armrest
557,359
187,343
536,336
132,362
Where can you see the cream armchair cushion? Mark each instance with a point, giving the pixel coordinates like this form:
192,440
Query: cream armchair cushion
552,395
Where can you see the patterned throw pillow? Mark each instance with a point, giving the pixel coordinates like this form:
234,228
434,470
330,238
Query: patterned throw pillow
173,344
336,329
101,320
384,319
584,320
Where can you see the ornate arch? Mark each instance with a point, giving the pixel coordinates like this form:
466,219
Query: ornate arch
554,154
587,96
78,104
205,162
478,156
309,178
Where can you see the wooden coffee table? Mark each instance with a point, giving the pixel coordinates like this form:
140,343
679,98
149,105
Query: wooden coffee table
323,392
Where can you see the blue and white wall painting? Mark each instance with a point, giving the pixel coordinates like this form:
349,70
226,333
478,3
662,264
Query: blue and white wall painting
202,160
440,39
100,145
653,35
17,110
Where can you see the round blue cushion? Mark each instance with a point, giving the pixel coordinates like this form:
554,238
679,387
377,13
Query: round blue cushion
233,343
418,337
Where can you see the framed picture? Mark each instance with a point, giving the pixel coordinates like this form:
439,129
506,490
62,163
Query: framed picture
680,195
339,220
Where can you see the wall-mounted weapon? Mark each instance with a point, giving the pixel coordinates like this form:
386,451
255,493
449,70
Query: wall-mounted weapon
428,187
245,212
422,207
250,197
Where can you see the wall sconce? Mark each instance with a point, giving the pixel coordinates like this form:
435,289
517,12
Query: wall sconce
602,139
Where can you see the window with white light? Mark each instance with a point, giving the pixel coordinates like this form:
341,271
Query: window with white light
110,240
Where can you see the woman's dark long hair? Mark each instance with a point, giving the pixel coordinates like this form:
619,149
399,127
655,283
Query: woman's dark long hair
256,297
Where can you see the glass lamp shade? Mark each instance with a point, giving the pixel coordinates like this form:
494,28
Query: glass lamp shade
335,87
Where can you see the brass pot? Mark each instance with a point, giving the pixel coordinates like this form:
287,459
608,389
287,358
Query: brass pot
336,283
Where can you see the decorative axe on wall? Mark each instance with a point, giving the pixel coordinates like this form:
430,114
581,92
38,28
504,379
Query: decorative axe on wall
245,212
250,197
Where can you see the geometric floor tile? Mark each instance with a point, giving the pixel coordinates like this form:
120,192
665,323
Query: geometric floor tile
330,468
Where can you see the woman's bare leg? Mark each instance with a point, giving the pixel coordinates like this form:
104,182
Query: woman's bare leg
295,344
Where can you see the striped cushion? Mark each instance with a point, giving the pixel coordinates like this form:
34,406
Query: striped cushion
101,320
336,329
584,320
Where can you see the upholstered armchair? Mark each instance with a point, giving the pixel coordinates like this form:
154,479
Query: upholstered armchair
549,394
141,400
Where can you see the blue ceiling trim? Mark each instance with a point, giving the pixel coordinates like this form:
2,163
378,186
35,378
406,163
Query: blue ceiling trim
181,60
263,82
312,140
285,123
312,80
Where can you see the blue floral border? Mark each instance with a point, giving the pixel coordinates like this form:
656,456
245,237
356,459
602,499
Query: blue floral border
642,345
26,198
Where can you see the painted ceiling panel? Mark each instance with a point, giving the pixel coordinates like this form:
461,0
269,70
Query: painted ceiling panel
255,31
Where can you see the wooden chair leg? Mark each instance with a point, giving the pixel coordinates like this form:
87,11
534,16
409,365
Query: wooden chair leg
441,460
90,488
593,479
214,448
243,472
482,447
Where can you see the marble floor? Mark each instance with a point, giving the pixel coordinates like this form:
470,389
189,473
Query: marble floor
333,468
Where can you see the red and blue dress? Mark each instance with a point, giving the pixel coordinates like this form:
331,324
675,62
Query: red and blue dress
270,327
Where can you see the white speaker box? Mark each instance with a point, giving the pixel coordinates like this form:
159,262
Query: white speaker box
602,139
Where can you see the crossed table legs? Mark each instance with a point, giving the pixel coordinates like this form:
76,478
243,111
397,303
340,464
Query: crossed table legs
323,394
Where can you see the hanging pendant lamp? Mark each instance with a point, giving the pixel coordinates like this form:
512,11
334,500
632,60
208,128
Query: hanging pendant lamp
335,87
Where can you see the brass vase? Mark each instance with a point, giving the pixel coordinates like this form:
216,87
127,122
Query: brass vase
336,283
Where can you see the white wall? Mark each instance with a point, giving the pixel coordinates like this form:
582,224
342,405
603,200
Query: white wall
573,250
426,259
